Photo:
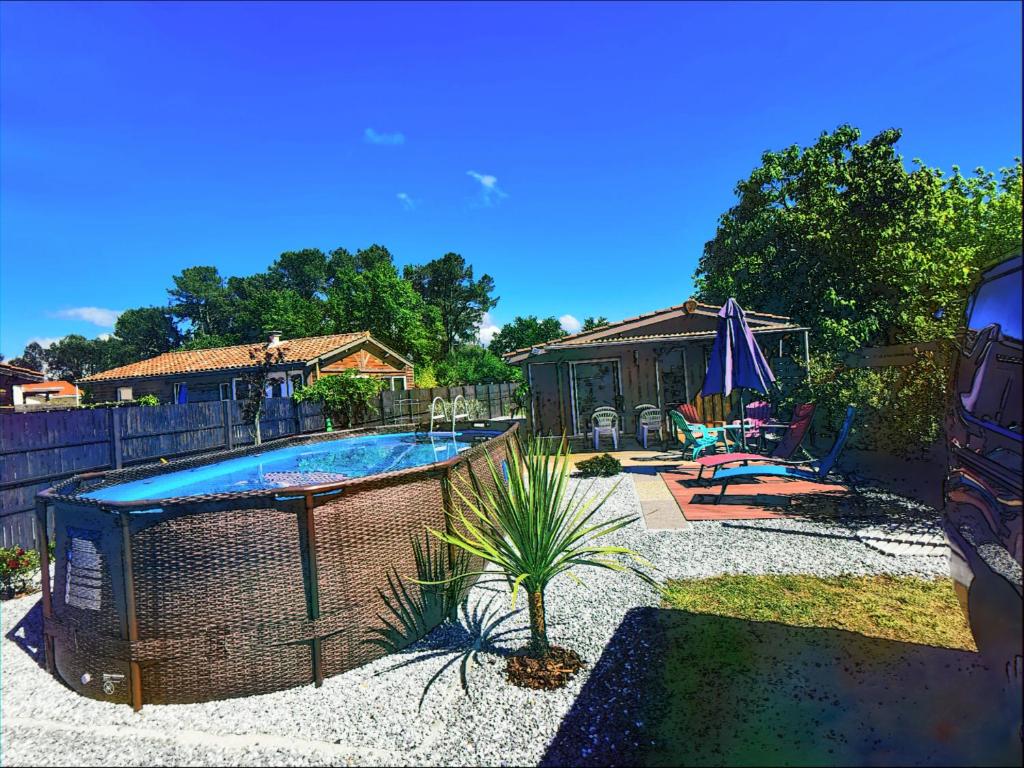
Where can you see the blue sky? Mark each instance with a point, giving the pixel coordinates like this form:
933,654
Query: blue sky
578,153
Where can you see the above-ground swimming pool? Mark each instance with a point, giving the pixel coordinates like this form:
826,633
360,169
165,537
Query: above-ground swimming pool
306,464
246,571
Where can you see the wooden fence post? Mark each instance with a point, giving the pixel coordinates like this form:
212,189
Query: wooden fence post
229,430
115,438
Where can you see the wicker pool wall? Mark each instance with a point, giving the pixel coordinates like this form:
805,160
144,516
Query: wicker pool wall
201,598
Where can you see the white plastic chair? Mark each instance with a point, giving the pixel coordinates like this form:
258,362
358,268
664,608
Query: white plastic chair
637,410
649,420
605,421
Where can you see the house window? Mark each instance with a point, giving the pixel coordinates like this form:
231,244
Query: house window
124,393
397,383
180,392
295,381
225,390
241,388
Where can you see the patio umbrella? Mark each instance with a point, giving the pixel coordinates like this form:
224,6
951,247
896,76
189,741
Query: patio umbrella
736,360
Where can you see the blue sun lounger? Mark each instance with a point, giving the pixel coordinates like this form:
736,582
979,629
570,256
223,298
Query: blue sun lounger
815,469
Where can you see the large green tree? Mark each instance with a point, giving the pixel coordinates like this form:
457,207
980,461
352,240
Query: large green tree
470,364
525,332
305,272
366,293
75,356
847,239
147,332
33,358
447,283
200,298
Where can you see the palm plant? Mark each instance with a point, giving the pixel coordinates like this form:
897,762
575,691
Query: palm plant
526,524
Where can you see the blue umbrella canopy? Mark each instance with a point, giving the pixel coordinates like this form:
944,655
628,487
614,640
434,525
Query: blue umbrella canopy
736,361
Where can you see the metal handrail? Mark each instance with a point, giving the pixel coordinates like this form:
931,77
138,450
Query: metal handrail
434,415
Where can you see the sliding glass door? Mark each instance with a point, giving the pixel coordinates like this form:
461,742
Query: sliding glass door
594,383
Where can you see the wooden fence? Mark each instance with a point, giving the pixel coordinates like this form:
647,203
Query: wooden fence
40,448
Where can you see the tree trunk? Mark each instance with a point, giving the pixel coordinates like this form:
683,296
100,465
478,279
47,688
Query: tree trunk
256,428
538,625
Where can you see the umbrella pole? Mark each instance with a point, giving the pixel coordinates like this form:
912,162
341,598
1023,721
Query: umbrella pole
743,421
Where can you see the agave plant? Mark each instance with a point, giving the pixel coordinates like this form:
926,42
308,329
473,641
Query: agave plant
526,524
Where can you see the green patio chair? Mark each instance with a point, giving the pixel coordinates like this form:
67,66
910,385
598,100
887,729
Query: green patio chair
696,437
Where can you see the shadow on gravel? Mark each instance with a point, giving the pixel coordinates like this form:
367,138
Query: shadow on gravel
678,688
27,634
479,631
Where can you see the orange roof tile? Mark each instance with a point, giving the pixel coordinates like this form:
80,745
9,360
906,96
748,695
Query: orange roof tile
226,358
55,388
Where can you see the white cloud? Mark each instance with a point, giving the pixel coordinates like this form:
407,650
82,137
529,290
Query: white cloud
408,203
44,341
105,336
371,136
570,324
490,192
104,318
487,329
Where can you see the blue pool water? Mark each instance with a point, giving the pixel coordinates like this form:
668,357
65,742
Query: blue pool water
310,464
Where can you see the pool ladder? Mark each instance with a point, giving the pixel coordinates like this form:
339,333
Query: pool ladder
437,408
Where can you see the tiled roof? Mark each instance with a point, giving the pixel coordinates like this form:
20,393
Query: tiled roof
763,320
54,388
17,370
557,343
226,358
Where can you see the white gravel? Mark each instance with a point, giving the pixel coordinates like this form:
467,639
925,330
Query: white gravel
371,715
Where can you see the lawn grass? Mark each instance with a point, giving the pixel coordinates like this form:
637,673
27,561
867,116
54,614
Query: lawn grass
792,670
901,608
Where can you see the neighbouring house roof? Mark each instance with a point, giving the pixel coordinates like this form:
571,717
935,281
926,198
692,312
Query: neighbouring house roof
18,372
52,388
632,329
304,350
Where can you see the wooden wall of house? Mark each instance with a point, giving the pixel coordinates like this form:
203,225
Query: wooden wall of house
652,373
367,363
636,369
202,388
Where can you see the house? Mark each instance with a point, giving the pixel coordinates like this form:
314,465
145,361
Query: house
658,358
197,375
49,393
12,379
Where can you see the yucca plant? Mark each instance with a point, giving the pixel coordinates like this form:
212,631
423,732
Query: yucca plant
532,530
414,611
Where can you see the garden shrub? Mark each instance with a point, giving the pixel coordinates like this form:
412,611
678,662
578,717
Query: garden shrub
900,409
17,569
604,465
347,399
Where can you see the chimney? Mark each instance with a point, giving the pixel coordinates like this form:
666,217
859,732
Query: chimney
275,338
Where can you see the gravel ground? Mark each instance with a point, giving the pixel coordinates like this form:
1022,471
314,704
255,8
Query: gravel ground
372,715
